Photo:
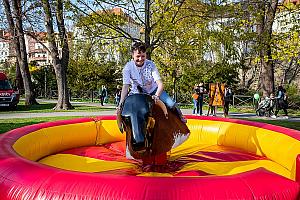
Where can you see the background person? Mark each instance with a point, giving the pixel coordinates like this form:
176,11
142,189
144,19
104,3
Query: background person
211,95
195,99
227,99
201,91
118,95
103,95
281,102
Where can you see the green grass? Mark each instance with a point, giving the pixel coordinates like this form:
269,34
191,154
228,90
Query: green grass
48,107
291,112
241,109
284,123
9,124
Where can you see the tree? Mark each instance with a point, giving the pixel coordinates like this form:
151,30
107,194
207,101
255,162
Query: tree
286,44
197,31
266,11
60,63
141,14
14,18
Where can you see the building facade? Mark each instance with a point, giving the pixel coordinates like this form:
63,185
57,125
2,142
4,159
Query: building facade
37,49
4,46
108,47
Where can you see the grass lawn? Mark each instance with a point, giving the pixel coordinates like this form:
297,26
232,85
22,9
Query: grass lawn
48,107
291,112
9,124
284,123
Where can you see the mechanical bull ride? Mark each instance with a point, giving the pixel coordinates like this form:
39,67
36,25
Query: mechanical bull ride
151,129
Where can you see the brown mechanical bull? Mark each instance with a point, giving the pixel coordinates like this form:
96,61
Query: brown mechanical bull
151,128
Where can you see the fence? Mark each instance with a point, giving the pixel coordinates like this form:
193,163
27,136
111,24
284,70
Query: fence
93,96
237,101
243,101
90,96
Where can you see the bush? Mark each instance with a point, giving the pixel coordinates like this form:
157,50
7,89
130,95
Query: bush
293,96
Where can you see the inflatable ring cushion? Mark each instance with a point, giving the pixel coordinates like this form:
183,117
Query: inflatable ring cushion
84,159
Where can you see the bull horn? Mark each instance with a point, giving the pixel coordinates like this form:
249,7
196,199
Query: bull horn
163,107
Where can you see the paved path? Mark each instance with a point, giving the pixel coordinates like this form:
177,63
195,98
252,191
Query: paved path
112,112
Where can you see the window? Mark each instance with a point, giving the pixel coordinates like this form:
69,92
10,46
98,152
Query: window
5,85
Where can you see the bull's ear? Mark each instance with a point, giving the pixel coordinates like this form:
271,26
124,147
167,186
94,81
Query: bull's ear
163,107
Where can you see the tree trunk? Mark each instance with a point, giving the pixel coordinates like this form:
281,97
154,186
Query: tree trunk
60,64
19,81
17,33
264,29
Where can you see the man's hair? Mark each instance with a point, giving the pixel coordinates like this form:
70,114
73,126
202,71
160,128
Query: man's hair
138,46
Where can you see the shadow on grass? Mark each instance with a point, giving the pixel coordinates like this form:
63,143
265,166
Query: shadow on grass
22,107
284,123
44,106
48,107
9,124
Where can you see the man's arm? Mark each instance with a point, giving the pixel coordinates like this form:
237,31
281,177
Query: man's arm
157,79
160,88
124,94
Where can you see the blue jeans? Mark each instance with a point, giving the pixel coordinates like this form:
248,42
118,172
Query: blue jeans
164,97
199,105
117,100
195,106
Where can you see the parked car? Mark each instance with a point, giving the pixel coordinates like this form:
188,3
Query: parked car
9,97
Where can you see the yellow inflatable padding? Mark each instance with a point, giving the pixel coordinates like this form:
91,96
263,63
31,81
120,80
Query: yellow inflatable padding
230,168
276,146
48,141
155,174
108,132
84,164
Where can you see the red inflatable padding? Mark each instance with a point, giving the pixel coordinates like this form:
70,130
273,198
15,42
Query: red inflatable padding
290,132
28,180
8,139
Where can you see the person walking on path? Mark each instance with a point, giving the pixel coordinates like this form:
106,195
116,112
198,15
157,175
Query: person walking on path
195,99
227,100
118,95
211,95
281,102
198,96
202,90
103,95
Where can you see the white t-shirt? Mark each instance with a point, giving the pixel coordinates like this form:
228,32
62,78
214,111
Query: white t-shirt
144,76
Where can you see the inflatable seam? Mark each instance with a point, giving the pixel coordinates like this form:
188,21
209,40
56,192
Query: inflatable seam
97,129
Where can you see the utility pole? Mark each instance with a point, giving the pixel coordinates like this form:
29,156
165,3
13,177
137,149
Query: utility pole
147,28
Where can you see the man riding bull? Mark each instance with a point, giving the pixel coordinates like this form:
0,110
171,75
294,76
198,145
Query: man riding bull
149,135
144,77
